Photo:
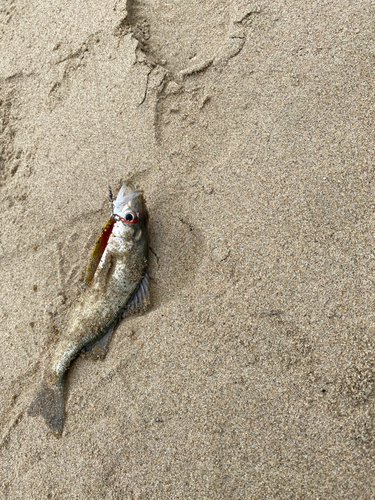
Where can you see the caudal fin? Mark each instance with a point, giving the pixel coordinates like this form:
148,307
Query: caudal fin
49,402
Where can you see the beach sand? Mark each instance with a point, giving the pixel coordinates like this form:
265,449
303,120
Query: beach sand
250,127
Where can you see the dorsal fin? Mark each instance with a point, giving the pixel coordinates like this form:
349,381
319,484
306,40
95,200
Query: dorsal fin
98,249
140,300
98,348
141,297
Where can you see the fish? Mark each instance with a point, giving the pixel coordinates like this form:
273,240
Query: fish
116,284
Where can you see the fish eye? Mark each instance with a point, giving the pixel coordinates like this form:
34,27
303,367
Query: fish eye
130,217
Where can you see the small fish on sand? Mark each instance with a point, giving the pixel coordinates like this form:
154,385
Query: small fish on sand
117,284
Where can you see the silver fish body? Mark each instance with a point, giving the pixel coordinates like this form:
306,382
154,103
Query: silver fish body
116,284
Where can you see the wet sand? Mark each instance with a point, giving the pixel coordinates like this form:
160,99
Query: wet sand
250,128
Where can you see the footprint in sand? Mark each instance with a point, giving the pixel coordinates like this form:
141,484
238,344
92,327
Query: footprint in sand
189,37
177,34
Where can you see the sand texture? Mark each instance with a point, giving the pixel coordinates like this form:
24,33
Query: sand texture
250,127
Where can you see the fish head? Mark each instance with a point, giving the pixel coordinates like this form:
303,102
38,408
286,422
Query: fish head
130,208
128,221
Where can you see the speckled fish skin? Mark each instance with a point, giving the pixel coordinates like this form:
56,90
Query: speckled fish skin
112,285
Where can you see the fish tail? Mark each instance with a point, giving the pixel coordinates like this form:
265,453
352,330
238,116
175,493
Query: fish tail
49,402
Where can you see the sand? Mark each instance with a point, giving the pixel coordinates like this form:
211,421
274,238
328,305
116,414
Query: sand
250,127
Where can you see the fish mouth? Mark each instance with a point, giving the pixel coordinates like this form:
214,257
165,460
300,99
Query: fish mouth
130,199
125,196
128,188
